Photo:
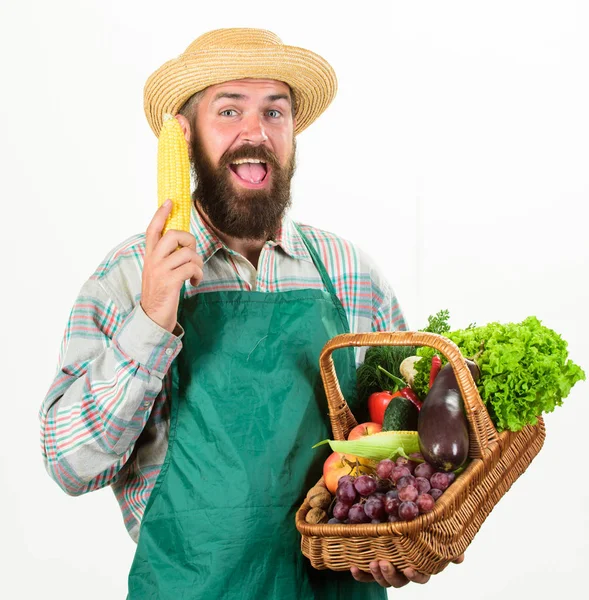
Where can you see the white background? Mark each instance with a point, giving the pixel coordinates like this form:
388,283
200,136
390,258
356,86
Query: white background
456,153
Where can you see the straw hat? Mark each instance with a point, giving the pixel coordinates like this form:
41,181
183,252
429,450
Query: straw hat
227,54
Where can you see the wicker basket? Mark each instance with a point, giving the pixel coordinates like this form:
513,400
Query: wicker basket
433,540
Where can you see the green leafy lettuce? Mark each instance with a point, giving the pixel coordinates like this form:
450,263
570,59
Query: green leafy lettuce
525,370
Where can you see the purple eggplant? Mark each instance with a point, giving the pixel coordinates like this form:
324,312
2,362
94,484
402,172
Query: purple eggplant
442,426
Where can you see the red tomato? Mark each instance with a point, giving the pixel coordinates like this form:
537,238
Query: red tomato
377,404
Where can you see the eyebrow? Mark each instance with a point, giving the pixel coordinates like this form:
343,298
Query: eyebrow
235,96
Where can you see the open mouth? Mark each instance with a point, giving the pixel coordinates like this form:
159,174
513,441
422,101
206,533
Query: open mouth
250,172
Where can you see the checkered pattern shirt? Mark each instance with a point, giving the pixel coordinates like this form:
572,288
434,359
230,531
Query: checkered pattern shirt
105,418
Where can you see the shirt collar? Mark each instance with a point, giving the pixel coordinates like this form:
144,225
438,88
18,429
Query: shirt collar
290,240
207,242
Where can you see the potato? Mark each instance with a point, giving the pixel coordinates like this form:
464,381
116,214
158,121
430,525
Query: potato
316,489
321,500
315,516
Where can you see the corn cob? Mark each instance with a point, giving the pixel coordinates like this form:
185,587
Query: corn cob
173,174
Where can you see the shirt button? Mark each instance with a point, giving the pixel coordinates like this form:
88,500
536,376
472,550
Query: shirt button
146,403
169,351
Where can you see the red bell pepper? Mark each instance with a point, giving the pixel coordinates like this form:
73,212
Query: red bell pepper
410,395
435,369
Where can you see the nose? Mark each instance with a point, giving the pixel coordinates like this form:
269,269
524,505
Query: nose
253,130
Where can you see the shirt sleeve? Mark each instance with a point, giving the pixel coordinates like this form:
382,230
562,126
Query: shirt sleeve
111,368
387,314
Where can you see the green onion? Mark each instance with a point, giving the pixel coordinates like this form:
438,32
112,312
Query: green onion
400,382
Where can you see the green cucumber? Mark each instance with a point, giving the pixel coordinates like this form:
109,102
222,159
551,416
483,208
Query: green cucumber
400,415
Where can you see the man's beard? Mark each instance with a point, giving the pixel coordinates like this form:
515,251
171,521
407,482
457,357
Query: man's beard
241,213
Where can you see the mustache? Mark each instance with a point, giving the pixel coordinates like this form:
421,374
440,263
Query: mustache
258,152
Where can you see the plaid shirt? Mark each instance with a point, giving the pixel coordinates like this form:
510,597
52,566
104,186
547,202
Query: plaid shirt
105,418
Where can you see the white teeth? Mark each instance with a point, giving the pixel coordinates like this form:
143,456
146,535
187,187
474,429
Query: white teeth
242,161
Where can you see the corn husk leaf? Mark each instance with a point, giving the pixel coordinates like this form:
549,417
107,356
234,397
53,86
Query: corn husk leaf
378,446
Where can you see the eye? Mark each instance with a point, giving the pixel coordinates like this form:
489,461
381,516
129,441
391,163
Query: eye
228,112
274,114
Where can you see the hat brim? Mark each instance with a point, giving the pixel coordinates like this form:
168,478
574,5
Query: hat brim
311,78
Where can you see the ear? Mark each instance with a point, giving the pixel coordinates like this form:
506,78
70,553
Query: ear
185,125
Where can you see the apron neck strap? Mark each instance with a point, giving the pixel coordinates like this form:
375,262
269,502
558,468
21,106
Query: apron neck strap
317,262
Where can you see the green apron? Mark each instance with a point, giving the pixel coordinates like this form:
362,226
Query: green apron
247,405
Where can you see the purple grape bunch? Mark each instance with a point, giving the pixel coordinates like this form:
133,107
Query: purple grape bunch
399,490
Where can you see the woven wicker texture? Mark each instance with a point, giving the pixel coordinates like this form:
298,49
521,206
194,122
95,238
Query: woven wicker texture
430,542
228,54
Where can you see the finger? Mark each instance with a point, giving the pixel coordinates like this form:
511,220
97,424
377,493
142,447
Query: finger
194,267
458,560
171,240
391,576
193,272
188,271
194,281
156,226
361,575
181,257
377,574
415,576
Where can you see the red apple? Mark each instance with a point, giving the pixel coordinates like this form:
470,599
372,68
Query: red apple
364,429
336,466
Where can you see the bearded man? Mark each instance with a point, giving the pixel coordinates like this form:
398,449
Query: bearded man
190,375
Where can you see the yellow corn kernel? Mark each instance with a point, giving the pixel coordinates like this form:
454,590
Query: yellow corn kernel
173,174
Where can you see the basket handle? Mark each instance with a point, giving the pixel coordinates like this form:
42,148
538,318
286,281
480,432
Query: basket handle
482,430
